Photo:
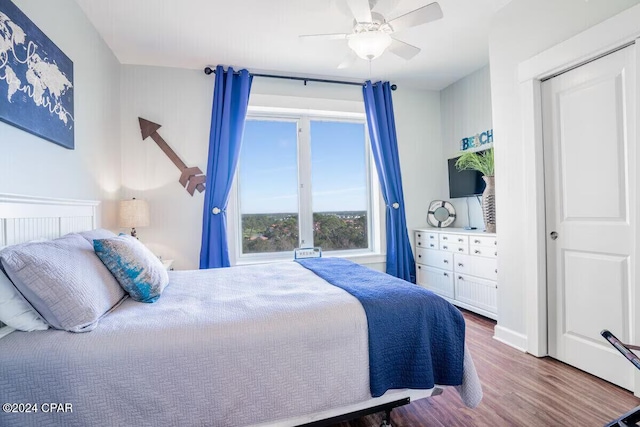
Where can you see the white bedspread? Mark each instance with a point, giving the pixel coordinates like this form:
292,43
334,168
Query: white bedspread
225,347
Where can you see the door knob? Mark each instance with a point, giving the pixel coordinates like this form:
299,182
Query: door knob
553,235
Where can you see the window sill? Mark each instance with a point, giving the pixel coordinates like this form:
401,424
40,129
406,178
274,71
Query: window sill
360,258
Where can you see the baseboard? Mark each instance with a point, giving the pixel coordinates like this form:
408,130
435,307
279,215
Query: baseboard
510,338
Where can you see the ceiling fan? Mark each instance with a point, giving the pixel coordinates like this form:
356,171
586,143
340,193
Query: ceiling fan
372,34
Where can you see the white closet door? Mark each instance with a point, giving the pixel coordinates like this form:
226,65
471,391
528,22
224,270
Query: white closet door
590,180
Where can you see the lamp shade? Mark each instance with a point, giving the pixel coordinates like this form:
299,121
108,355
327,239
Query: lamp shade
134,213
369,44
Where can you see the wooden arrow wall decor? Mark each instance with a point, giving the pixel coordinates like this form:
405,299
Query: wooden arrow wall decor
191,178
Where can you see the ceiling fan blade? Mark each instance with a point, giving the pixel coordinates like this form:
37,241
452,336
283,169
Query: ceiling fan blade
403,50
383,7
360,9
348,60
336,36
428,13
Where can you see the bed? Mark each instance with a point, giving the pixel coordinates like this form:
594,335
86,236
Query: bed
267,345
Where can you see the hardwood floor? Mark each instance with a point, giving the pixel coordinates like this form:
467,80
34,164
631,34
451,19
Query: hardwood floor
519,390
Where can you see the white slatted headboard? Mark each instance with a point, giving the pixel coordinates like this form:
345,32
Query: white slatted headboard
24,218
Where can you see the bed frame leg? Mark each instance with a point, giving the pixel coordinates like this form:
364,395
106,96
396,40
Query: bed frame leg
386,407
387,418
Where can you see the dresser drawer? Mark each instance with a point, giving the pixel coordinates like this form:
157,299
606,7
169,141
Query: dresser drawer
439,259
488,251
483,241
435,279
457,239
454,247
426,240
483,267
477,292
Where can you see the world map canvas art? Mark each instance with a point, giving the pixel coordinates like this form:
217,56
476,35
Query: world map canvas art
36,79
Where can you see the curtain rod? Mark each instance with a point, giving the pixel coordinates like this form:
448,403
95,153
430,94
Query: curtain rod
209,70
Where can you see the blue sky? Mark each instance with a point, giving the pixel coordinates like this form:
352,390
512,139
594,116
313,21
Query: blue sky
268,167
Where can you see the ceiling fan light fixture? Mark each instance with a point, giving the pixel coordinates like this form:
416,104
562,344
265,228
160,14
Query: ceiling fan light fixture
370,44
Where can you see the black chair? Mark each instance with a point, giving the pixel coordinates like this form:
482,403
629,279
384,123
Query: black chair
631,418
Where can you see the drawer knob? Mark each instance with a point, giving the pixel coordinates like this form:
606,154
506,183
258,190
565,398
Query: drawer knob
460,264
419,235
495,253
460,250
460,278
419,256
446,261
495,242
445,238
476,241
445,247
446,274
496,271
431,245
419,243
460,240
476,251
431,237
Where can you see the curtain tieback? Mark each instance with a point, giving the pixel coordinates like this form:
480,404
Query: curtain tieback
216,210
396,205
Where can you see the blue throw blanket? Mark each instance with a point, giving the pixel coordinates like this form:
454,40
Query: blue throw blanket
416,338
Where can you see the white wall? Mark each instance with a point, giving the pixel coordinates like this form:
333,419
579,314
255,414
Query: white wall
33,166
418,125
521,30
180,100
466,111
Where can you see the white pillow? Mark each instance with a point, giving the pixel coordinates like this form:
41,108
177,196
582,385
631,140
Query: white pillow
5,330
64,281
15,311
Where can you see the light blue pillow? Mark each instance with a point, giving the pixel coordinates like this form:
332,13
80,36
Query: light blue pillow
135,267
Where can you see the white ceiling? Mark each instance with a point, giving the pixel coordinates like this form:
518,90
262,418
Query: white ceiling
262,36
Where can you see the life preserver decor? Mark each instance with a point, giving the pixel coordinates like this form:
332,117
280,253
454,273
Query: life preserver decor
441,214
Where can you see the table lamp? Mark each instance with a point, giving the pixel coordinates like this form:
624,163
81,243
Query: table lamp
134,213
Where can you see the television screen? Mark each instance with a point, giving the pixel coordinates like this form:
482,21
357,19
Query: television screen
465,183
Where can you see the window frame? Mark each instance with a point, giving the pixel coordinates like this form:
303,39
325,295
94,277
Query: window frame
304,117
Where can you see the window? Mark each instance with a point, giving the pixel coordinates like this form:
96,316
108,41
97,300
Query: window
268,182
339,185
304,180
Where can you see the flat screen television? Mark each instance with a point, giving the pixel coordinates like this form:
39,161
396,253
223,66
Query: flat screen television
465,183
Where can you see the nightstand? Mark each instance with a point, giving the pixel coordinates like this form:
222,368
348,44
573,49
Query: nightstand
168,264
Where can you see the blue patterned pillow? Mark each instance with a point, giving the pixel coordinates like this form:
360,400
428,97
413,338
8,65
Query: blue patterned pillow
135,267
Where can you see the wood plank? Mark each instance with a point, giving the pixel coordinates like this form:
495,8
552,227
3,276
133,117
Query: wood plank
519,390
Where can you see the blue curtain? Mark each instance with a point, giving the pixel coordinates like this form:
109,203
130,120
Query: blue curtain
384,144
230,101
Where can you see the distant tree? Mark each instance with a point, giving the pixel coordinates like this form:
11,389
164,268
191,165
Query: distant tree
280,232
332,232
269,233
283,234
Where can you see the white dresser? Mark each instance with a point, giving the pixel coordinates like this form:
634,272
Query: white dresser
460,265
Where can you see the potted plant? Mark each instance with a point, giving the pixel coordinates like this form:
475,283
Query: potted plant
483,163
